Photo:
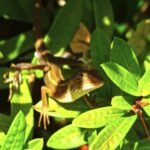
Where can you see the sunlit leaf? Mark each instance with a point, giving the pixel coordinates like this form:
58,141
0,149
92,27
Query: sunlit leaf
57,110
144,84
122,102
67,137
2,137
21,100
16,133
122,54
35,144
122,78
112,135
98,117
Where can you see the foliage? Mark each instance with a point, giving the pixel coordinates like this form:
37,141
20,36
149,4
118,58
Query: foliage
119,51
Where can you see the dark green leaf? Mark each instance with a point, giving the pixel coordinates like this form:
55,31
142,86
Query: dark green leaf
104,17
111,136
122,54
4,122
67,137
122,78
98,117
16,134
65,25
100,47
142,145
21,11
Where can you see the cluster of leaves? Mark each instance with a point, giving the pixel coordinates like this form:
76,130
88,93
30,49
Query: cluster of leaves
113,125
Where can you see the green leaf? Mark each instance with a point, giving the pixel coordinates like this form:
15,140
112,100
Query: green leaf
142,145
64,26
91,135
67,137
111,136
122,78
3,70
98,117
1,55
147,107
2,137
100,47
104,17
4,122
88,14
35,144
57,110
122,102
10,10
122,54
146,63
21,11
12,47
16,134
144,84
21,100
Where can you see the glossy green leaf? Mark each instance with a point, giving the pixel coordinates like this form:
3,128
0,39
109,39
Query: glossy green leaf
57,110
144,84
12,47
98,117
67,137
16,134
35,144
104,17
64,26
122,78
122,54
4,122
122,102
111,136
21,100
